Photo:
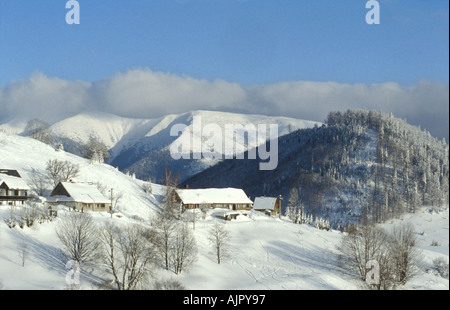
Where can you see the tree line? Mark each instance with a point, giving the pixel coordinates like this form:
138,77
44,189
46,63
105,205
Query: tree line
130,252
366,166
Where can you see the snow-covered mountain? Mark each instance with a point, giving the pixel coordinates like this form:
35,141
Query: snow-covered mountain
362,165
141,146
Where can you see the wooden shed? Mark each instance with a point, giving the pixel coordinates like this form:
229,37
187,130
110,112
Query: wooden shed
268,205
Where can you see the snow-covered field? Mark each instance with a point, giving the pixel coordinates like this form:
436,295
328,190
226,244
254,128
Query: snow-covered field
266,253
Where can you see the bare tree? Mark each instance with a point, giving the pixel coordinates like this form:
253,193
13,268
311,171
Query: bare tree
396,253
164,230
39,182
147,187
168,284
128,254
108,235
39,130
404,252
28,214
116,198
165,219
295,210
22,250
11,220
62,170
219,238
440,265
171,207
79,236
365,245
183,249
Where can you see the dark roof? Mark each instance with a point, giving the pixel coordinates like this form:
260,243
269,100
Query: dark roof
10,172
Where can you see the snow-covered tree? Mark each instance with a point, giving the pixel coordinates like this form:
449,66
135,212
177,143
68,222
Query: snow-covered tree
95,150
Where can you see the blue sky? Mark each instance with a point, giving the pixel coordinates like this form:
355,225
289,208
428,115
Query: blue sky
237,55
244,41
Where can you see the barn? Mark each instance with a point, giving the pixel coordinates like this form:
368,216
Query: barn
268,205
226,198
79,196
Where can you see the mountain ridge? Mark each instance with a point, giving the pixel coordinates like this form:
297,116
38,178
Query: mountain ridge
134,143
359,166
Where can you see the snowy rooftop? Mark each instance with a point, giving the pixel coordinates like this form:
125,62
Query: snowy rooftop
13,182
81,192
264,203
213,195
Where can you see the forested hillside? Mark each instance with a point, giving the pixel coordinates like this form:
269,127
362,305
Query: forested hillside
359,166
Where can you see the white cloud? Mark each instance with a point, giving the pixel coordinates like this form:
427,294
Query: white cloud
143,93
425,103
42,97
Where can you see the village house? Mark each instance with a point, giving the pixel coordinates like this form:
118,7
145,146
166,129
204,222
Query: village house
13,189
226,198
79,196
268,205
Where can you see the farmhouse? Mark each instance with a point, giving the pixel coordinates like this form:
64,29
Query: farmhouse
226,198
79,196
268,205
13,189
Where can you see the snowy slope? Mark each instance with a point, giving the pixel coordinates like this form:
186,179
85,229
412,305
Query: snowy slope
265,253
25,154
